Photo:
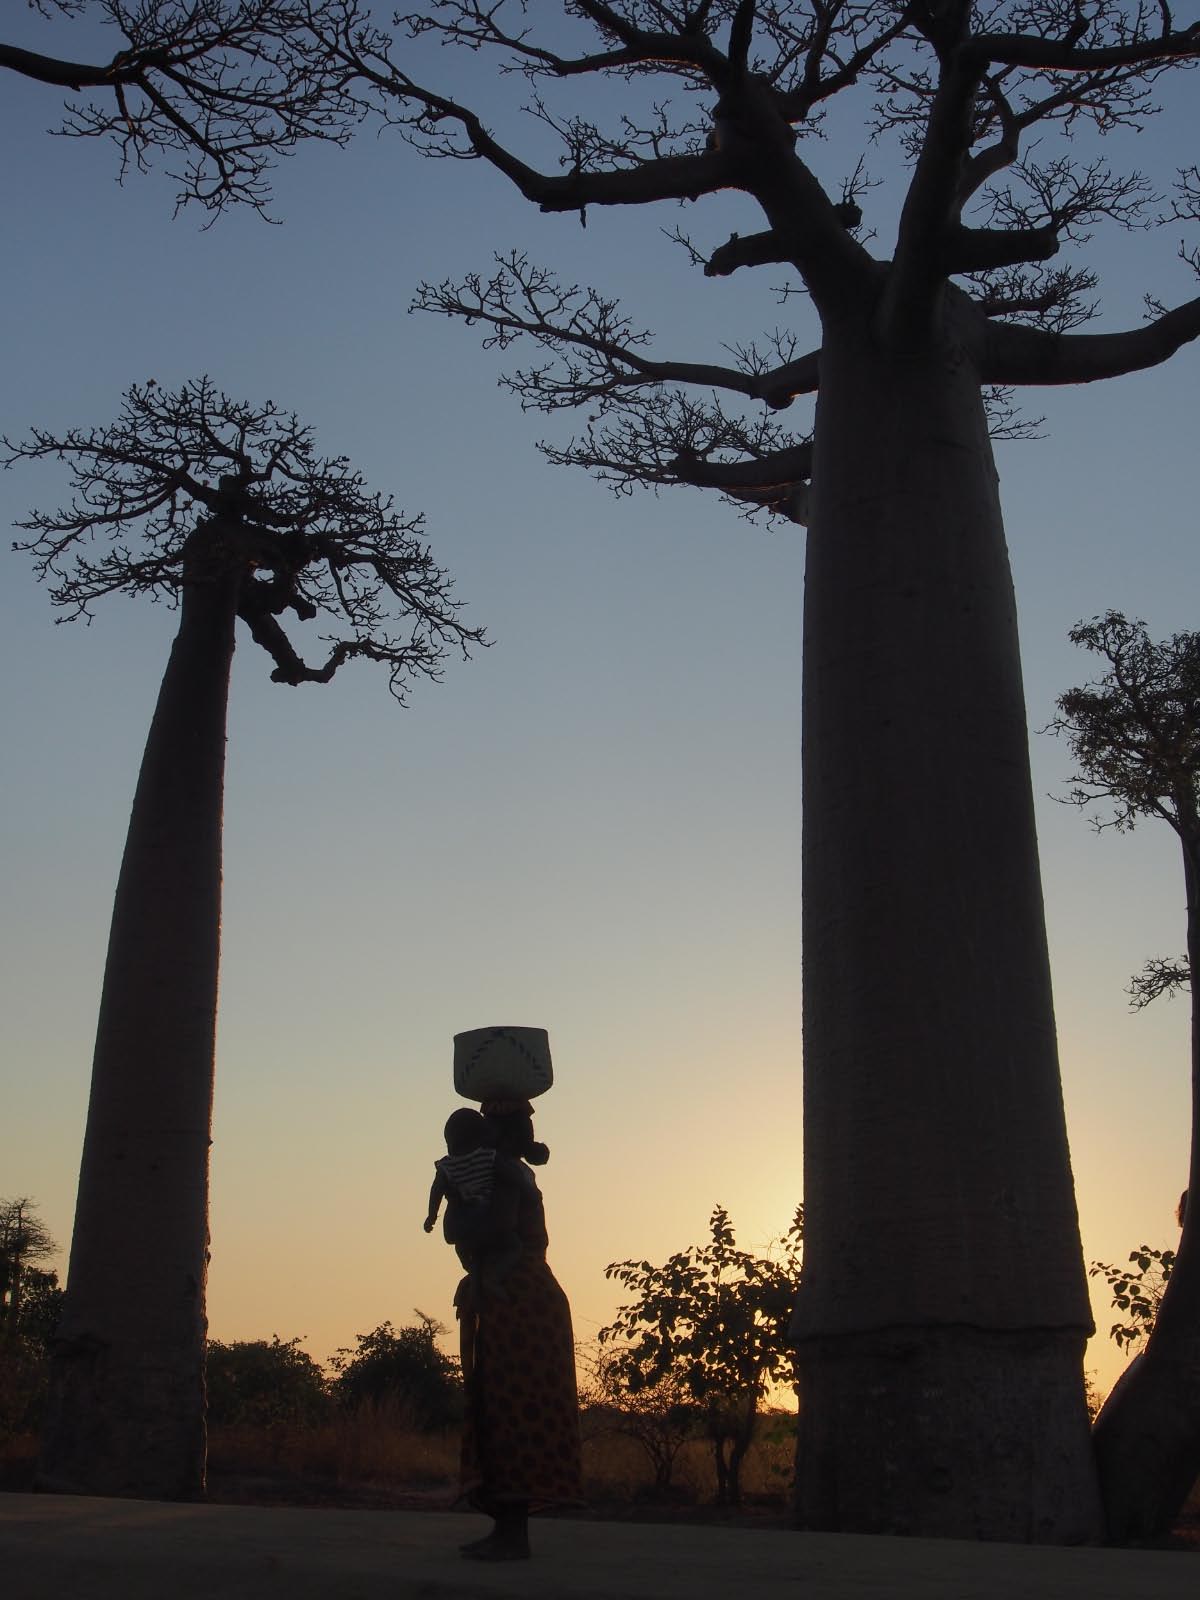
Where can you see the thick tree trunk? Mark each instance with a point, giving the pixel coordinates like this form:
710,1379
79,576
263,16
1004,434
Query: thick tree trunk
944,1309
126,1414
1147,1435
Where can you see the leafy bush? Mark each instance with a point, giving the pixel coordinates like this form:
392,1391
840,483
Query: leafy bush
25,1334
263,1382
1137,1291
401,1366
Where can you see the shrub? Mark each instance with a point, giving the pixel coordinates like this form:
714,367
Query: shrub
262,1382
403,1366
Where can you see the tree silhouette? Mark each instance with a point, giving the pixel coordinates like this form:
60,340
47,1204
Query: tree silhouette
942,1252
714,1319
24,1239
1135,737
223,85
401,1368
260,1383
239,519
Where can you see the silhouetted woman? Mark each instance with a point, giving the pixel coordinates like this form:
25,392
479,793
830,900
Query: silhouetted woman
520,1448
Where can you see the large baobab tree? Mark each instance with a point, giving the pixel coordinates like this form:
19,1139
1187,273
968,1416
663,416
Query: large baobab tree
944,1311
221,86
1135,737
239,519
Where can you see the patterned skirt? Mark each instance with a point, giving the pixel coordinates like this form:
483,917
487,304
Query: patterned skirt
521,1431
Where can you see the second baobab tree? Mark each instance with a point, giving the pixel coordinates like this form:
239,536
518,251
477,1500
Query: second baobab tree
236,519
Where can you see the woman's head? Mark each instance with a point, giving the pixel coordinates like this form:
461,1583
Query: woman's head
512,1128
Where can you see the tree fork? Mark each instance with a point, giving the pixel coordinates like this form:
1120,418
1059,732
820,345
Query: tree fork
126,1409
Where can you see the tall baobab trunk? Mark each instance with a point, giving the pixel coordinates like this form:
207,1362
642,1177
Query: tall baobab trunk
944,1308
126,1414
1148,1431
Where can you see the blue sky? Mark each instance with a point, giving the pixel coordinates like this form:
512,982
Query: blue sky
592,827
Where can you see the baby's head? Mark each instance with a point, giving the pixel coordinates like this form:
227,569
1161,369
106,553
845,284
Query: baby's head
467,1130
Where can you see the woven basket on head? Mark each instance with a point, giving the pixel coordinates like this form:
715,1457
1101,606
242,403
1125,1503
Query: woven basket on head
502,1063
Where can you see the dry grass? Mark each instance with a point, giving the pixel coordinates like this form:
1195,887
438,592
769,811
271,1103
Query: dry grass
374,1446
376,1449
376,1457
616,1469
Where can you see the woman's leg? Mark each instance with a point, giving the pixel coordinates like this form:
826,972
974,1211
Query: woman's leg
509,1538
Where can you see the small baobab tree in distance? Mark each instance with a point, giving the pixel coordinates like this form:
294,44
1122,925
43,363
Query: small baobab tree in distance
239,520
1135,737
24,1239
942,1240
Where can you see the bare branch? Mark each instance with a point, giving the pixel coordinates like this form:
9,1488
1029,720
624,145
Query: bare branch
599,354
1159,976
1055,55
228,85
1015,355
1053,299
968,250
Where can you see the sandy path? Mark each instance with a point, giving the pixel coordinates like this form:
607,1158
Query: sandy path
59,1548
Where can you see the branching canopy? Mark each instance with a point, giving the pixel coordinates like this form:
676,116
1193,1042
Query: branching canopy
210,483
983,99
1135,732
1135,736
220,87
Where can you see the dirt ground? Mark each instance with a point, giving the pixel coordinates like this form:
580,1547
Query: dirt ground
61,1548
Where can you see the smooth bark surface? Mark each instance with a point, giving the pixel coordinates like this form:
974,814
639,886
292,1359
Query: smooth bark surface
937,1172
126,1414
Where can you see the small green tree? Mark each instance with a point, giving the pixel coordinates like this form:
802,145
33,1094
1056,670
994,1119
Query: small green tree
403,1366
716,1318
1135,736
1137,1290
263,1382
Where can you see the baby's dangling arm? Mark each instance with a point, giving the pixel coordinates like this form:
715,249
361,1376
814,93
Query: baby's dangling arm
437,1193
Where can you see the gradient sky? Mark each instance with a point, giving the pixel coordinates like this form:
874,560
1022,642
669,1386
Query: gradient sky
594,826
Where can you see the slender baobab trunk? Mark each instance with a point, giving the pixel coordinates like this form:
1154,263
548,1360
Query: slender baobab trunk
944,1309
1148,1432
126,1414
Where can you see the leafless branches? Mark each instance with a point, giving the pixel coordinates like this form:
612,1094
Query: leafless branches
209,483
1041,297
217,87
599,357
673,437
737,92
646,423
1160,975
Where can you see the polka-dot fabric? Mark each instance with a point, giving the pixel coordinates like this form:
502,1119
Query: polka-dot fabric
521,1436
